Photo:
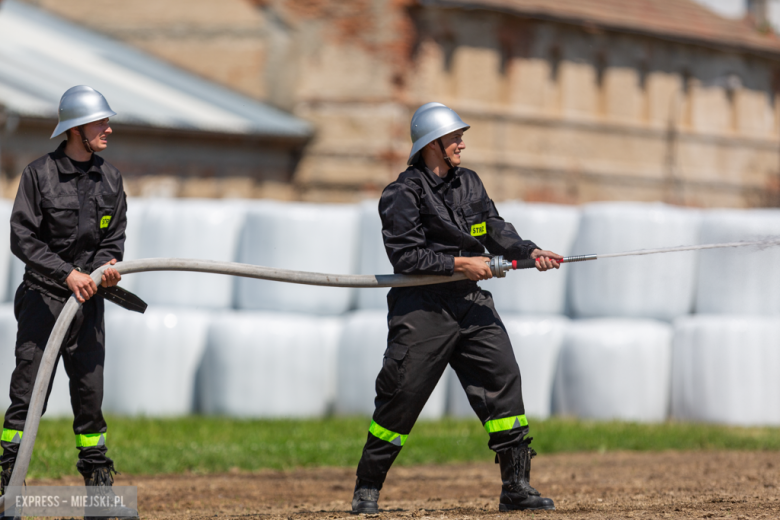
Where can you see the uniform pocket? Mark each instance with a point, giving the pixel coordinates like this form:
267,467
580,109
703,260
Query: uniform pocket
391,377
26,351
475,213
61,216
106,204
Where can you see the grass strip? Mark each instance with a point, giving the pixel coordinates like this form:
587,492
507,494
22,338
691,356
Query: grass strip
215,444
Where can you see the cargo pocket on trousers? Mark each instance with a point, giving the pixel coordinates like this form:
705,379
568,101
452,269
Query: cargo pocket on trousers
391,377
23,376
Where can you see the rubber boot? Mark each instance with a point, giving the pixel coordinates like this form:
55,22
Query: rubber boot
99,481
365,499
516,491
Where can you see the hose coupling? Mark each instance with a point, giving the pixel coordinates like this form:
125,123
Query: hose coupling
499,266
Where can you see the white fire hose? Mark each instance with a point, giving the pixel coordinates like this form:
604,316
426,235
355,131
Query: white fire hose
498,267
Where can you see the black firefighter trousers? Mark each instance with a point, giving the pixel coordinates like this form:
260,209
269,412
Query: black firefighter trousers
82,352
429,327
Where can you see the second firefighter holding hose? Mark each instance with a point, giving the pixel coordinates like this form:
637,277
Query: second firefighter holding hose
438,219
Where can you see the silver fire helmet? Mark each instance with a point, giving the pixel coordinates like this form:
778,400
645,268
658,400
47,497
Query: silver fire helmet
430,122
81,105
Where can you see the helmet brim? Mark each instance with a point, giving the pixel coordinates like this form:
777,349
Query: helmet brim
64,126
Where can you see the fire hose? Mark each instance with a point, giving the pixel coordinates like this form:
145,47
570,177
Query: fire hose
498,266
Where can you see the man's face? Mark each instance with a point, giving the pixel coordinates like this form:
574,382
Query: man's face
453,145
97,134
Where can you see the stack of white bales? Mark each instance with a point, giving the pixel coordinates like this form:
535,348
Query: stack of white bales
552,227
726,359
536,341
279,359
620,368
359,360
152,360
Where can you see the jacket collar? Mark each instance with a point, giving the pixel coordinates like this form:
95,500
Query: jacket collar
65,164
434,179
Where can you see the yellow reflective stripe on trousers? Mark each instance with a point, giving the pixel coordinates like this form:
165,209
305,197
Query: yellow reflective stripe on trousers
386,435
89,440
507,423
12,436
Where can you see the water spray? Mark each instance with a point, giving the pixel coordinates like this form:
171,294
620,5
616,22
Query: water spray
499,266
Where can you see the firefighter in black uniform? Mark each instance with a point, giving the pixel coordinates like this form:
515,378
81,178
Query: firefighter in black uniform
68,219
438,219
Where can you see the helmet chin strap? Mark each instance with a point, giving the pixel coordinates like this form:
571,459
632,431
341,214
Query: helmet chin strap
84,139
444,153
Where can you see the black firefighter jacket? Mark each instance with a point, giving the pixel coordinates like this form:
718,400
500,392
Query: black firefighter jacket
63,218
427,221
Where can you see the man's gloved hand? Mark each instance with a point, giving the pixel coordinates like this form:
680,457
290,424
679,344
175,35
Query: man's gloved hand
546,259
111,276
474,267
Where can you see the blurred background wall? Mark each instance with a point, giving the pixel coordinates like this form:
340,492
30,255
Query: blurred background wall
570,101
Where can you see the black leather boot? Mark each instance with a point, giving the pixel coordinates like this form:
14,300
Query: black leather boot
99,481
516,491
5,478
365,498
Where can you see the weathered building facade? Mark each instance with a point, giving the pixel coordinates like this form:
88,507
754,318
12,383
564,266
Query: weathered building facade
570,101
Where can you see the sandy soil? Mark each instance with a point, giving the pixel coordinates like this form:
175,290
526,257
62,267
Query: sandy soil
731,485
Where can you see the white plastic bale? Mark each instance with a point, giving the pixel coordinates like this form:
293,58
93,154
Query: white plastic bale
264,364
359,361
152,360
299,236
615,369
201,229
726,369
552,227
658,286
7,353
536,341
5,252
16,269
136,207
740,280
373,257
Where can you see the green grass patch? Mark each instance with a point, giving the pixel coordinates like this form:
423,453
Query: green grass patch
214,444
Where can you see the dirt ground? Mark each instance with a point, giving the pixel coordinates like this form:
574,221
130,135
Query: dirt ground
735,485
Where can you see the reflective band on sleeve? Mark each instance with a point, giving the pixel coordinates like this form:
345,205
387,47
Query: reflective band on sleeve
12,436
386,435
507,423
88,440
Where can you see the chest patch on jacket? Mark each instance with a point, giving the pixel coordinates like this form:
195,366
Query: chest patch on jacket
105,221
478,230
